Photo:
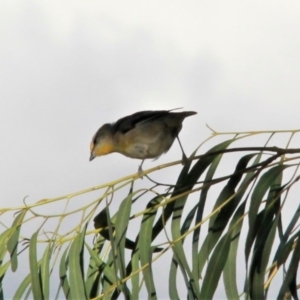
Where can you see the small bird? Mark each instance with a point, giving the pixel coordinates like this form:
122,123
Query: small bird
145,134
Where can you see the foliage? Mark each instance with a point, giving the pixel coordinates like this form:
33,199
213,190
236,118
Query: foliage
208,230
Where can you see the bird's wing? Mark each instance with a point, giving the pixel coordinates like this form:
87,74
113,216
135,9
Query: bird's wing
128,123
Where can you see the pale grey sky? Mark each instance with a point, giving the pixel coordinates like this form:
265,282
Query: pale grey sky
67,67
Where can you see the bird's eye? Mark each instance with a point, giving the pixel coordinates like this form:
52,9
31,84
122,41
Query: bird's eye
94,139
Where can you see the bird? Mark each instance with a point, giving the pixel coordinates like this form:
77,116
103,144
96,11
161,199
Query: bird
142,135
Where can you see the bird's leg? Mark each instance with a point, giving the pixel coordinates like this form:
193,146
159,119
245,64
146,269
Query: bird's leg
184,157
140,170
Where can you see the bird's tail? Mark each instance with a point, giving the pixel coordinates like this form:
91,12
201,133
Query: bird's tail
188,113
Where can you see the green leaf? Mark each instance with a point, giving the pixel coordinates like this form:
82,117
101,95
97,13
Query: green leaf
220,220
144,245
100,268
121,225
265,228
260,261
289,283
202,164
92,283
3,243
179,252
263,185
121,229
76,267
173,292
229,273
135,259
12,244
36,283
285,245
215,268
199,214
45,270
63,269
3,270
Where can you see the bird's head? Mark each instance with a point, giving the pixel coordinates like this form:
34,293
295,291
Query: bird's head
102,142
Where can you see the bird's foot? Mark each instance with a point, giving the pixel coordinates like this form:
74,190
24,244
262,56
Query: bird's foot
140,171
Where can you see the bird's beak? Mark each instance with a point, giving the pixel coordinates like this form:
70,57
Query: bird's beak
92,157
